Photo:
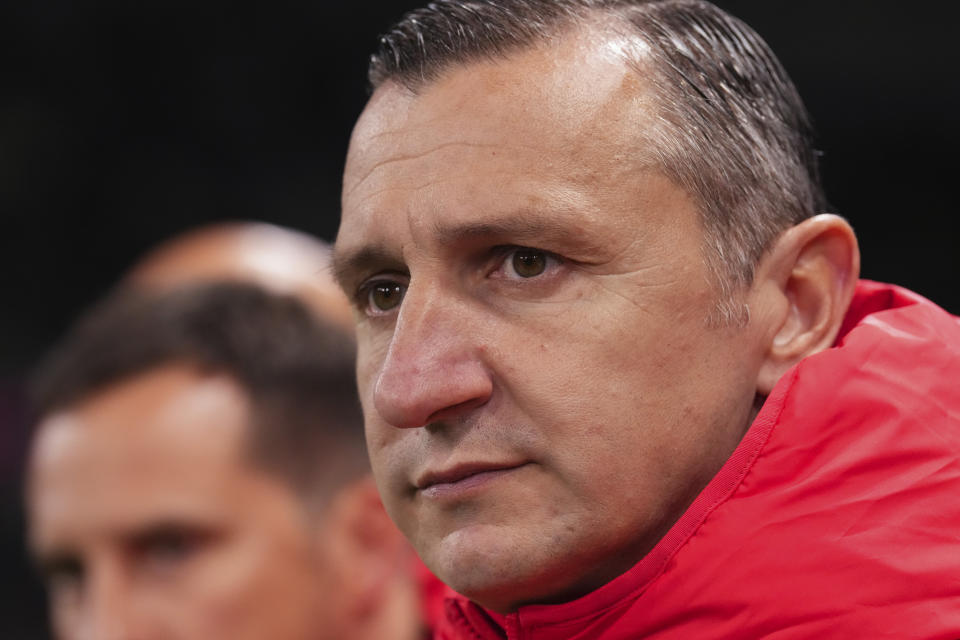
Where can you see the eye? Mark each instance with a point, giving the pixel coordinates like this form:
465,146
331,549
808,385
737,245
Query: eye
166,548
383,296
64,576
527,262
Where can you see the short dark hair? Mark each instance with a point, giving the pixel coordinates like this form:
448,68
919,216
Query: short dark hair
732,129
297,370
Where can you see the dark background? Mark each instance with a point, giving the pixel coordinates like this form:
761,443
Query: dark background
122,123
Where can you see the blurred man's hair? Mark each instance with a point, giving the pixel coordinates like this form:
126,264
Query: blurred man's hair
730,127
297,370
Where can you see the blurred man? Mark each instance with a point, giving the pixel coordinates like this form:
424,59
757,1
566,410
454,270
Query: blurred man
280,259
199,472
619,377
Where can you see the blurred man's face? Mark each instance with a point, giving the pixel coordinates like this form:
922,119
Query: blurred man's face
543,392
151,524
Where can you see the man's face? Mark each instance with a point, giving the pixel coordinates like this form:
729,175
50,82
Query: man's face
150,522
543,393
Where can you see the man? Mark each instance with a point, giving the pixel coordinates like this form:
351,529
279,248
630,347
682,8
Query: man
619,377
199,472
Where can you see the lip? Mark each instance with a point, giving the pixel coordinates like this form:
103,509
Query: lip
461,478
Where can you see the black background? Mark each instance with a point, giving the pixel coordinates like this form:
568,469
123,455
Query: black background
122,123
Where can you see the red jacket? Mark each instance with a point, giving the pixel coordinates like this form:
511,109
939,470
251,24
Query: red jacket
837,516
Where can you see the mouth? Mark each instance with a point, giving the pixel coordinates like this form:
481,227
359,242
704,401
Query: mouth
462,478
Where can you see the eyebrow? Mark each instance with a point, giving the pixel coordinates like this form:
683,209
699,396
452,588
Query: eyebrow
524,226
347,264
48,563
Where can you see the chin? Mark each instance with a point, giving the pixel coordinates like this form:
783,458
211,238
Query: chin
492,566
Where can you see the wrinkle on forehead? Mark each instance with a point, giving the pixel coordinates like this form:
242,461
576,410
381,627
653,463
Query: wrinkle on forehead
415,156
416,184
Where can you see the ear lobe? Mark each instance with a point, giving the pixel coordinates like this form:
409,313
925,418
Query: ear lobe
813,268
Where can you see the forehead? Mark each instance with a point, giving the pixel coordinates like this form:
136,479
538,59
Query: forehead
545,120
565,86
168,443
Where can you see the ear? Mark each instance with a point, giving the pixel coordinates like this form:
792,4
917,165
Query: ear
807,280
372,550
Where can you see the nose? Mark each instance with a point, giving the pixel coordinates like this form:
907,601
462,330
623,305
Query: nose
107,614
434,368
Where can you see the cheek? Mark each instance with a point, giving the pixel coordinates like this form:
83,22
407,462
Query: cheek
370,360
373,343
598,385
260,565
583,365
393,454
388,447
386,461
67,622
260,592
230,581
367,367
378,434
